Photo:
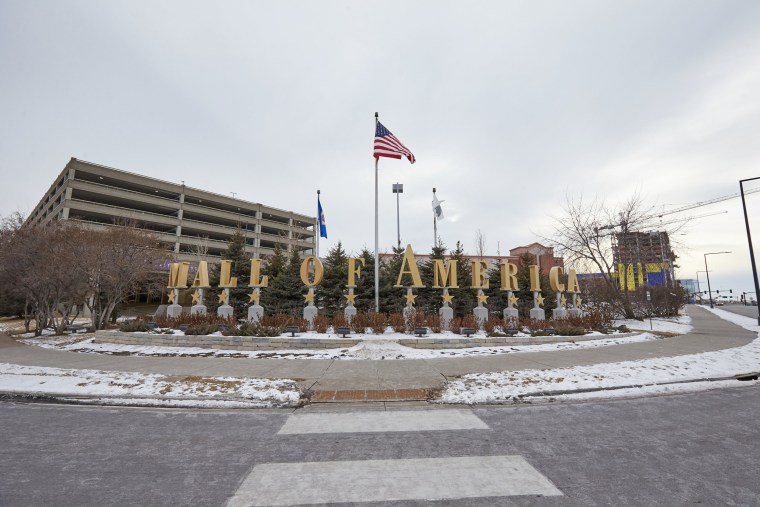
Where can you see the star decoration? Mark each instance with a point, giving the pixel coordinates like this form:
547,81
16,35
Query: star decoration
410,297
309,297
253,297
578,302
540,300
513,300
350,298
196,296
171,297
223,297
562,301
447,298
482,298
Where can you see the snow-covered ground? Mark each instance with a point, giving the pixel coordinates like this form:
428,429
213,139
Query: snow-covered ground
628,378
372,346
148,389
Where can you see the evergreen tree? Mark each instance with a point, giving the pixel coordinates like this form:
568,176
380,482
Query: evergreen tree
525,295
391,298
464,297
286,290
240,269
497,298
429,300
275,263
365,286
333,285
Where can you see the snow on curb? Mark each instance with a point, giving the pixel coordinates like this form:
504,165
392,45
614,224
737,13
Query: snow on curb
659,375
149,389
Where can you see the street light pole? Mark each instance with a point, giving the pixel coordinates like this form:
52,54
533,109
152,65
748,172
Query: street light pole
398,188
709,291
749,240
699,290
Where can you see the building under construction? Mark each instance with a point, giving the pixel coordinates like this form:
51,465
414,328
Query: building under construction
643,259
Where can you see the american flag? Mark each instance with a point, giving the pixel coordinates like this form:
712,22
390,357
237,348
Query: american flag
386,145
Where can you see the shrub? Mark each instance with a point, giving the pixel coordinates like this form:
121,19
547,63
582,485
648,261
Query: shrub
490,325
339,320
133,326
202,329
434,323
397,323
470,321
279,320
378,322
252,329
569,330
320,323
360,323
194,320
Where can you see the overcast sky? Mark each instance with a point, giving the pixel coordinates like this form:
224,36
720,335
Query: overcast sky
507,106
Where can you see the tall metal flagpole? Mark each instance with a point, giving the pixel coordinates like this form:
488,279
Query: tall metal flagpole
377,262
435,223
319,222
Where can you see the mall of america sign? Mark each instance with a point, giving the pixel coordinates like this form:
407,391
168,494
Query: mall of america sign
444,278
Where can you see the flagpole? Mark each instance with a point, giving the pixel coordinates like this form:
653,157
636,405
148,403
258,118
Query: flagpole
435,224
377,262
319,221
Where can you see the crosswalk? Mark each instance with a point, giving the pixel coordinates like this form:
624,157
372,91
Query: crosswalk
374,480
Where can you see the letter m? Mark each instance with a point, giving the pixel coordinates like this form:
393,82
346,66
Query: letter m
445,273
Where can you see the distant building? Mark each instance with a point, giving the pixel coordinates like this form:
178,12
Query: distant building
195,223
543,255
642,259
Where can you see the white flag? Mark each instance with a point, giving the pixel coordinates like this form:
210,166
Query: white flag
437,210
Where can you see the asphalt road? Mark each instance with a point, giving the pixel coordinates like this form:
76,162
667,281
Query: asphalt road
747,311
674,450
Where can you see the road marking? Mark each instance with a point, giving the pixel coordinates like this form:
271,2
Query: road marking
369,422
279,484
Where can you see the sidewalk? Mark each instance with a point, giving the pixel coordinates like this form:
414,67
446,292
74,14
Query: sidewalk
407,379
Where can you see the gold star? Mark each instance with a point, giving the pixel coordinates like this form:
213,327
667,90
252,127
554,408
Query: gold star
171,297
223,297
196,296
309,297
482,298
350,298
562,301
254,296
410,297
578,302
513,300
447,298
540,300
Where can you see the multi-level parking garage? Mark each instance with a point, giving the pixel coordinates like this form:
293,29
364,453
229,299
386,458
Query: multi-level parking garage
196,222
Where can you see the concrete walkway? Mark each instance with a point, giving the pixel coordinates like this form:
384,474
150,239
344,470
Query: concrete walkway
407,379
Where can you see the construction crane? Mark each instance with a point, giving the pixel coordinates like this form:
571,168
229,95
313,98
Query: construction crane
701,203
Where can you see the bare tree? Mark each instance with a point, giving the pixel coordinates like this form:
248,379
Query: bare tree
120,262
41,265
585,234
481,246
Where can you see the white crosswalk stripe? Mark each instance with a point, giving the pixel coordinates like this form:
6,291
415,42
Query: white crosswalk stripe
448,478
391,480
368,422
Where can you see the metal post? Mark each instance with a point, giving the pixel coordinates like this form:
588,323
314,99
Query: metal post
377,262
749,240
435,224
398,188
709,291
318,230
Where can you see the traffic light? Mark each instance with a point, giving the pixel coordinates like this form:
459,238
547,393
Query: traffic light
731,291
